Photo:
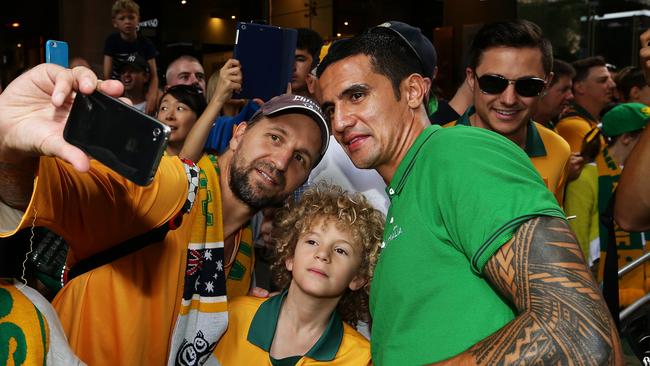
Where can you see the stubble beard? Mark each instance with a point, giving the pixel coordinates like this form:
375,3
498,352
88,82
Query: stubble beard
243,189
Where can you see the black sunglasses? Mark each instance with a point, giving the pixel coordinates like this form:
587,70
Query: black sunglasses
496,84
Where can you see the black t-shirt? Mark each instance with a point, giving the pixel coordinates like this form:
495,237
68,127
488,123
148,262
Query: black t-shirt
119,50
444,114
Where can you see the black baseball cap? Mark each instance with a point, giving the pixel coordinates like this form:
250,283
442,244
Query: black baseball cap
136,61
286,103
421,46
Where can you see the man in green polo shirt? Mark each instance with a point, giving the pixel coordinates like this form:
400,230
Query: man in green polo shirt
509,68
479,265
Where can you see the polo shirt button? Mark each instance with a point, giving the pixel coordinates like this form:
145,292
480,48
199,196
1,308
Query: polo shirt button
382,245
391,191
392,219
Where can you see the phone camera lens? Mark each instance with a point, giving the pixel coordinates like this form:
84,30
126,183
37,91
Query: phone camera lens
243,27
156,132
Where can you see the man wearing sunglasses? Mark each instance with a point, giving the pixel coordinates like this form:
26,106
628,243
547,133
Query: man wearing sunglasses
509,68
478,265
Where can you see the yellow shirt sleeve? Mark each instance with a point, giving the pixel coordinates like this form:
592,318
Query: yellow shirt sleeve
98,209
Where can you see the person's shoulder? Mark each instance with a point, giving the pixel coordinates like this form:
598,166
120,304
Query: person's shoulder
572,120
354,348
461,138
552,138
352,335
588,174
111,42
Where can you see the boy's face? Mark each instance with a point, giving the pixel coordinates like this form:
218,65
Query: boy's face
326,261
126,22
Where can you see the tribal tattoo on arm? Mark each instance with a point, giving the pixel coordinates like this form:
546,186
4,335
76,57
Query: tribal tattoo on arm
563,319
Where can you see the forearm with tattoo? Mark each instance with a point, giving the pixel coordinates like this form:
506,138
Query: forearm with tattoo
17,183
562,317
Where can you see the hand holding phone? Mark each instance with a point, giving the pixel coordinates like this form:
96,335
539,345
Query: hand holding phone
124,139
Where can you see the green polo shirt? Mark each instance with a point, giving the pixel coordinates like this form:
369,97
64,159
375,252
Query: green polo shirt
534,146
265,322
449,214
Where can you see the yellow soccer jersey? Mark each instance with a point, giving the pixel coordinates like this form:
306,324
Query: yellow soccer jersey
252,323
548,152
124,313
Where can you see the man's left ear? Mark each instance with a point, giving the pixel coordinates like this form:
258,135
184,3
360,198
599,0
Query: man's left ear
417,88
357,283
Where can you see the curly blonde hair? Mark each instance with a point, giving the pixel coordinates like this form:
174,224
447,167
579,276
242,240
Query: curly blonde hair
352,213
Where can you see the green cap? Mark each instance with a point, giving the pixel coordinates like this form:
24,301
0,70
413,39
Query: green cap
625,117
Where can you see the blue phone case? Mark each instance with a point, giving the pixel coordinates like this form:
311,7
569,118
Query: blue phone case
266,54
56,52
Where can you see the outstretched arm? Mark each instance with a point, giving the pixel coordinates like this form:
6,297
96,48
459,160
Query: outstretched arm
230,78
562,317
34,109
632,211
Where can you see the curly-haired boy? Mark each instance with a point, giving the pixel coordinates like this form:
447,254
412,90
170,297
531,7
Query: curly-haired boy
327,246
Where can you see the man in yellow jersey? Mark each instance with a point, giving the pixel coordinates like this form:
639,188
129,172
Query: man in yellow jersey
165,303
593,89
506,81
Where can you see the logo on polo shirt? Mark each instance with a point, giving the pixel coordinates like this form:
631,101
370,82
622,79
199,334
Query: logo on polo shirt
397,231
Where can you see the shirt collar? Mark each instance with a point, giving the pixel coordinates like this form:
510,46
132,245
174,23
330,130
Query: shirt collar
576,109
265,322
404,168
534,146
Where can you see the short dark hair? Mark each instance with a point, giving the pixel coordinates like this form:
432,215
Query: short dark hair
189,95
628,79
560,69
310,40
582,66
516,34
389,55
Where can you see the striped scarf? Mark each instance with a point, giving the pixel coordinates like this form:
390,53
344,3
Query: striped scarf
203,317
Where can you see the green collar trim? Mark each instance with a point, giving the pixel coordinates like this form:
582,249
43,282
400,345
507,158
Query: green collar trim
534,146
265,322
404,168
576,109
534,143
